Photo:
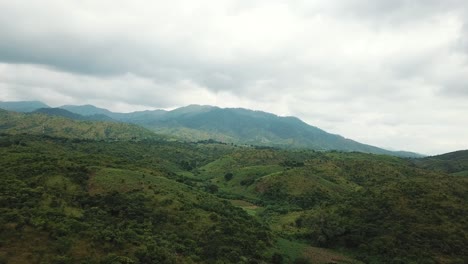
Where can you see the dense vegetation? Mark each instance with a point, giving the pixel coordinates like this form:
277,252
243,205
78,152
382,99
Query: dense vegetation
138,198
453,163
59,126
232,125
68,201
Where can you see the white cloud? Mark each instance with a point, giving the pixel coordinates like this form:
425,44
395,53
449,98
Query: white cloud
388,73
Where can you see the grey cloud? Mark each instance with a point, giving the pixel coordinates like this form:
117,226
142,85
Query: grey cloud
343,64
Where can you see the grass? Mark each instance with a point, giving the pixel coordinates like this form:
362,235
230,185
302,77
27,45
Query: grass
461,173
293,250
250,208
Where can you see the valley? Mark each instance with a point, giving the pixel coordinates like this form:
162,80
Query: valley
79,191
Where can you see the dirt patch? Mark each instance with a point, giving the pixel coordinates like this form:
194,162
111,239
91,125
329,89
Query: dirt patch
326,256
244,204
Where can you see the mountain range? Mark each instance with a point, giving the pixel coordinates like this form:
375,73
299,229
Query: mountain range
229,125
77,189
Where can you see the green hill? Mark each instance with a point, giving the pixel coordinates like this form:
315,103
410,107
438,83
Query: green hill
69,201
58,126
240,126
67,114
453,162
380,206
72,200
105,192
231,125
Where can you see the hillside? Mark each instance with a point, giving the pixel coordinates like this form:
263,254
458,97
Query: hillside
232,125
374,205
138,117
453,162
257,128
240,126
67,114
58,126
103,200
72,201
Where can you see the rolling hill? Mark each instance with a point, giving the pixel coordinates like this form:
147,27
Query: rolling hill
59,126
67,114
454,162
67,196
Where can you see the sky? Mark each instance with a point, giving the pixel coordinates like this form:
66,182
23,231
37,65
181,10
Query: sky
393,74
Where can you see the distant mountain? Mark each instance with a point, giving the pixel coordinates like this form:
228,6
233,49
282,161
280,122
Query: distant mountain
244,126
59,126
234,125
134,117
65,113
453,162
22,106
87,110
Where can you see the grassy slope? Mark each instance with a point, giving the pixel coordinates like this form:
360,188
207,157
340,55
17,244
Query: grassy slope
41,124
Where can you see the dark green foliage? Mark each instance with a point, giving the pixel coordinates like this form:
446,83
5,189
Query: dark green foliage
237,125
81,200
293,163
67,114
228,176
58,126
49,193
277,259
301,260
451,162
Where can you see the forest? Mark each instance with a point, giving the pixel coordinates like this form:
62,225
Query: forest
78,198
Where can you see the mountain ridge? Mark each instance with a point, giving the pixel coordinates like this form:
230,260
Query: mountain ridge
237,126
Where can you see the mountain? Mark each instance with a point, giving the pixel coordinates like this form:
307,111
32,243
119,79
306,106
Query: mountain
133,117
22,106
86,110
156,201
235,125
102,200
59,126
67,114
454,162
243,126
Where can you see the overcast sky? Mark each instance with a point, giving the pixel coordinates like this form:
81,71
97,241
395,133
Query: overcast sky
388,73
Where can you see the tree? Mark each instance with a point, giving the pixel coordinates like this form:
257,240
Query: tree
228,176
212,188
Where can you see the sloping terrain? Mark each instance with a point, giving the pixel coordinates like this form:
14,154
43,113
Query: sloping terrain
380,206
58,126
69,201
230,125
22,106
67,114
77,198
453,162
240,126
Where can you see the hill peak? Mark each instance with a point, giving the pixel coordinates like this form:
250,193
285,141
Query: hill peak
22,106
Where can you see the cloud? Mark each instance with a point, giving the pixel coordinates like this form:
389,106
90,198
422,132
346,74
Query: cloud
369,70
